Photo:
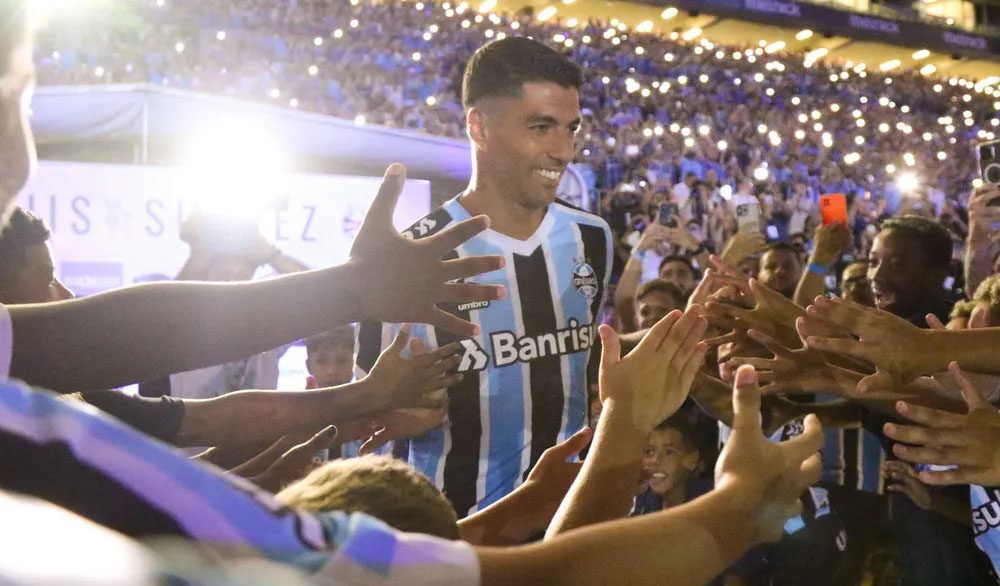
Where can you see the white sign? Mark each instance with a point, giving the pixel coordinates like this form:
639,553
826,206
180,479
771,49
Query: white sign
115,225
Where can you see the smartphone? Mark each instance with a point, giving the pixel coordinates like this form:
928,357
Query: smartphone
668,215
988,154
772,232
748,217
833,206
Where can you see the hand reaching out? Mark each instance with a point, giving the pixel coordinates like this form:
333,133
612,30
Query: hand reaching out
831,240
970,442
420,381
906,481
772,475
652,381
401,280
296,462
742,246
894,345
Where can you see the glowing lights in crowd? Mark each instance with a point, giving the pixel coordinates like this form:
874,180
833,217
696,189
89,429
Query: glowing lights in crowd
921,54
859,140
890,168
220,36
179,47
800,134
890,65
487,6
907,182
761,173
691,34
313,70
547,13
722,145
668,13
645,26
851,158
803,34
774,47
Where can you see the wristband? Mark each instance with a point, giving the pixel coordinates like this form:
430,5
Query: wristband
818,269
638,255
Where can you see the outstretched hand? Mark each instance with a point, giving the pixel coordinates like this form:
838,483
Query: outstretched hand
770,475
652,381
894,345
401,280
768,312
396,382
970,442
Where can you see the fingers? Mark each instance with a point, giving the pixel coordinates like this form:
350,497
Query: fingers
424,360
439,318
810,471
929,417
934,322
746,401
418,349
466,292
611,347
973,396
943,456
471,266
716,309
847,346
843,313
399,342
693,365
658,333
388,194
960,475
569,448
729,338
880,380
892,468
320,441
451,237
924,436
773,346
686,334
311,383
765,364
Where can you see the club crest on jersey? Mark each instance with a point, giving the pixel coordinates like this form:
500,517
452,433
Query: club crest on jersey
585,280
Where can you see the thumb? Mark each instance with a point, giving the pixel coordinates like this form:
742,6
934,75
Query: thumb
880,381
934,322
399,342
311,383
746,401
374,442
573,444
611,347
388,194
321,440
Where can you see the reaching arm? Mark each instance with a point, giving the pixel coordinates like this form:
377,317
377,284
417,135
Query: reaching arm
831,240
143,332
979,246
638,392
628,284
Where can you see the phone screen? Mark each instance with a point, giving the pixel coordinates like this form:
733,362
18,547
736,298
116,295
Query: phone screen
668,215
833,206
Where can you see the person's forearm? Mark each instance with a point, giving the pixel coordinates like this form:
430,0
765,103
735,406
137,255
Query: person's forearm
686,545
628,286
147,331
263,415
714,397
975,350
811,285
509,521
607,482
978,257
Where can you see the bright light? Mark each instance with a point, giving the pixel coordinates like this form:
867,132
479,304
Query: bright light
816,55
487,5
890,168
796,100
416,56
703,78
668,13
220,36
313,70
775,47
689,142
909,159
942,155
359,119
762,128
639,50
233,168
835,107
431,100
675,128
293,103
547,13
682,79
804,34
927,136
800,134
851,158
318,41
722,145
99,71
890,65
645,26
704,130
761,174
774,138
274,94
803,118
977,182
668,57
726,192
921,54
691,34
859,140
179,47
907,182
883,128
354,23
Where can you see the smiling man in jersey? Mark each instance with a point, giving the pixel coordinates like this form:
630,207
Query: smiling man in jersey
525,385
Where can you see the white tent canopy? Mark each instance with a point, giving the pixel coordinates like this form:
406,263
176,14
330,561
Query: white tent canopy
145,113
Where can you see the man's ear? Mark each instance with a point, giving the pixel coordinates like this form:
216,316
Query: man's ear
475,120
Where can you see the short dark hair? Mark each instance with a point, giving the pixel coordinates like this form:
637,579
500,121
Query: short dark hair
677,258
927,234
339,336
661,286
24,229
680,422
785,246
502,67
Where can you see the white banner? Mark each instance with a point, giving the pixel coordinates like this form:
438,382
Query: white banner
115,225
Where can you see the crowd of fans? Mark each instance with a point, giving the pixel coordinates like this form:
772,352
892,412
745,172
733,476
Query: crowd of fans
859,435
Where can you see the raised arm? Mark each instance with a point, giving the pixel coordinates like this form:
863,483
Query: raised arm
831,240
142,332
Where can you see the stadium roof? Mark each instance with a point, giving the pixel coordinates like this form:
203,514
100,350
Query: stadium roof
744,32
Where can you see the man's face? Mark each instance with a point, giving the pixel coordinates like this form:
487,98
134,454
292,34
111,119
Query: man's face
667,461
678,273
331,365
36,281
527,142
652,307
17,146
900,279
780,270
855,286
